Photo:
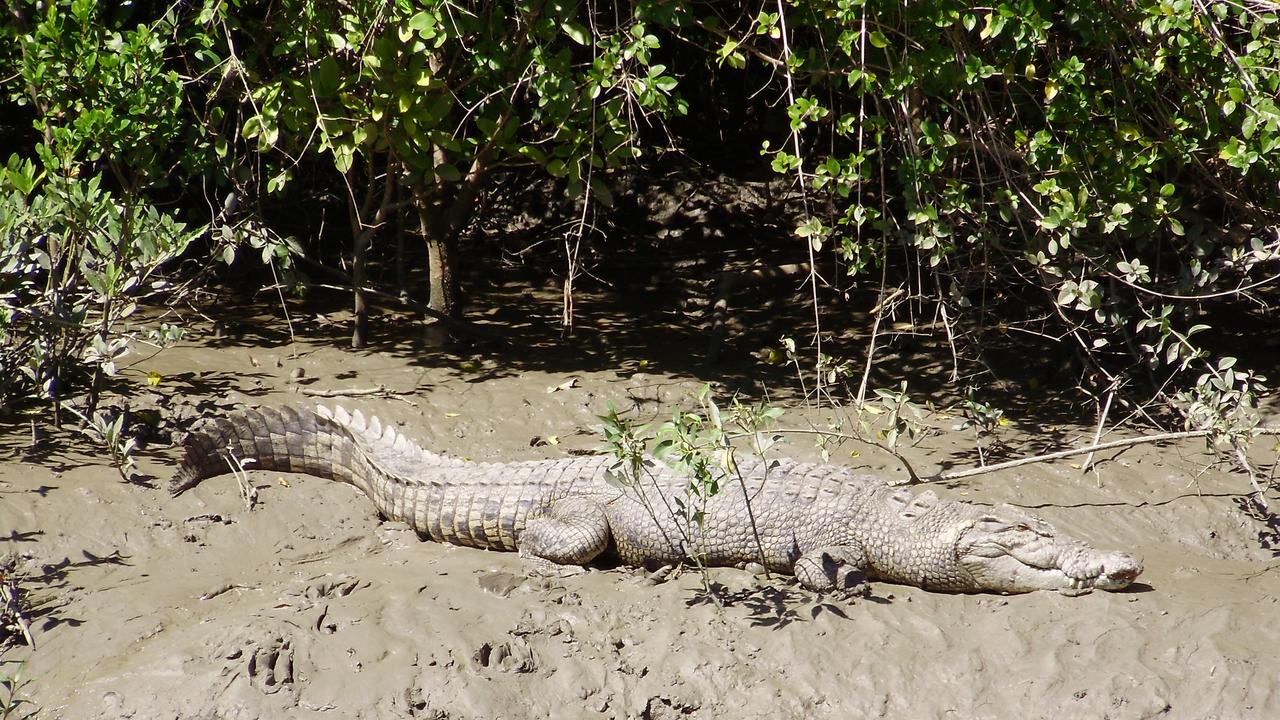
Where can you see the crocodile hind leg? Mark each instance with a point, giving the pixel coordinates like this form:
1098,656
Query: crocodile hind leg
838,568
573,532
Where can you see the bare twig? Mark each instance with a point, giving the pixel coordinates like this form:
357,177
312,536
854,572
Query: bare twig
878,311
378,391
1097,434
1111,445
1253,477
247,489
906,464
1127,442
911,471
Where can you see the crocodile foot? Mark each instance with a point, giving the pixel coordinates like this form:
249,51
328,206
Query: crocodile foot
832,570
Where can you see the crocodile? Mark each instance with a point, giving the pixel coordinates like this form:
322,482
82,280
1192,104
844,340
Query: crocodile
831,527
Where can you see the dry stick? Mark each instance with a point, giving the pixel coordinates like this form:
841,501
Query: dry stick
284,307
1253,476
1097,434
958,474
1127,442
951,340
878,312
379,391
247,490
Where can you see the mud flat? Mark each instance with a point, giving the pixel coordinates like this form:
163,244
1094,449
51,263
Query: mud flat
309,606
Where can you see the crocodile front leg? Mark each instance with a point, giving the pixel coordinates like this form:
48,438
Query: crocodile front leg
572,532
836,568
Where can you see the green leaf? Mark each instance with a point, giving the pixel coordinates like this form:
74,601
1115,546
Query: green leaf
343,158
278,181
576,32
448,172
1067,293
532,153
326,78
878,39
993,26
488,126
423,22
252,127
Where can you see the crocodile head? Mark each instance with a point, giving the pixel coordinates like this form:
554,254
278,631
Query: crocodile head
1008,550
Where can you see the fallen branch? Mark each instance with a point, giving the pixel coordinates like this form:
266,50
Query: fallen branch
1127,442
379,391
1096,447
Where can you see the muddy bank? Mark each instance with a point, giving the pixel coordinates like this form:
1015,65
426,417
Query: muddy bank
309,606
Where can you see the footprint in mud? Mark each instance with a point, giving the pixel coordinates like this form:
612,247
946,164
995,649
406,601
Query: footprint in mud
663,707
322,588
266,659
270,665
513,655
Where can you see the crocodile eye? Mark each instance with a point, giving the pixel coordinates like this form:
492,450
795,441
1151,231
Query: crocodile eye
992,524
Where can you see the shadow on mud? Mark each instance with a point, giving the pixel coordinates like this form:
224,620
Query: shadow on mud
773,606
644,294
1267,522
45,610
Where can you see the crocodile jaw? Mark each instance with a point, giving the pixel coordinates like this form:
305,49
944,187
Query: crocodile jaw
1011,551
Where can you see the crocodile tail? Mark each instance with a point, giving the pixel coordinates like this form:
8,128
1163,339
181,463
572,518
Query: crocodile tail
288,439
